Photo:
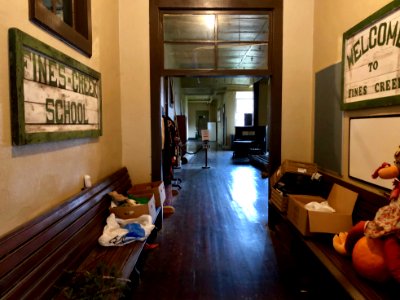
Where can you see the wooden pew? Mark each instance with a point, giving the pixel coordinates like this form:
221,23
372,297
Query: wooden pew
320,245
35,258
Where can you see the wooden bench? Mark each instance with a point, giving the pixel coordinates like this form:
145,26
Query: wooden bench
35,258
320,246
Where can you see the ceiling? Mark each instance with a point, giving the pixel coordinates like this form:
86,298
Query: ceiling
203,89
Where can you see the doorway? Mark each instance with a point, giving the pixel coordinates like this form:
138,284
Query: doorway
202,118
273,68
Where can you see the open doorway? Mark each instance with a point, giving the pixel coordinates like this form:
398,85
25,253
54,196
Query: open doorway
243,39
226,106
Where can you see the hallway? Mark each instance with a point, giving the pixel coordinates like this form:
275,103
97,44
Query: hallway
217,244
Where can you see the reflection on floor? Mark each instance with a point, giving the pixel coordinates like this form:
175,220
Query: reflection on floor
217,244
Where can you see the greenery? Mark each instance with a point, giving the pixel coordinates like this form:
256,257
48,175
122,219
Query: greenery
103,283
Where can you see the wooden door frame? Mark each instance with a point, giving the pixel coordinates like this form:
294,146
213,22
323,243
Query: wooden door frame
156,7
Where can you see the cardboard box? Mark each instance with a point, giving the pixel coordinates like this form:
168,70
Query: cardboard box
308,222
130,212
156,187
292,177
279,199
293,167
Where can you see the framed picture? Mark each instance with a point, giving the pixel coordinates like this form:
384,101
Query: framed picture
53,97
371,60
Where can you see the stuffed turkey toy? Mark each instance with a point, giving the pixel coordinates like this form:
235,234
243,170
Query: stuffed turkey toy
375,245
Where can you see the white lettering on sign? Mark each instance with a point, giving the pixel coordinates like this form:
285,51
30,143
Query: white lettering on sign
58,98
371,60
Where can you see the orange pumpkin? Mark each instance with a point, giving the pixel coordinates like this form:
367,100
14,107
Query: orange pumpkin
368,259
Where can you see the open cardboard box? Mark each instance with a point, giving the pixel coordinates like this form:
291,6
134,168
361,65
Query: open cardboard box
284,175
131,212
308,222
155,187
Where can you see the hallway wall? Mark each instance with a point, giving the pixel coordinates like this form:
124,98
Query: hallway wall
297,79
332,19
35,177
135,88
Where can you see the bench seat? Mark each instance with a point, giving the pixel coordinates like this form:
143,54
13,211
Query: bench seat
35,258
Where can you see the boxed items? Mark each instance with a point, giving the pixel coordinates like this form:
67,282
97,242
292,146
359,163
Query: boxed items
156,187
291,166
279,199
331,215
145,205
292,177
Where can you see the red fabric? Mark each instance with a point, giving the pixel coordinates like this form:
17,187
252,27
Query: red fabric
354,235
391,250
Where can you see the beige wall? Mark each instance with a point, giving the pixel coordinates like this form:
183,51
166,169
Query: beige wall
297,80
332,19
230,107
135,88
34,178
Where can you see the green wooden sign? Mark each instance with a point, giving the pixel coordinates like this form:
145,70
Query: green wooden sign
371,60
53,96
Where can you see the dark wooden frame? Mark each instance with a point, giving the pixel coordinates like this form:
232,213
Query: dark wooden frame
275,7
18,41
79,35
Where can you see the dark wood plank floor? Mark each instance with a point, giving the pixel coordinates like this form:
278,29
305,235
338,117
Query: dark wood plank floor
217,244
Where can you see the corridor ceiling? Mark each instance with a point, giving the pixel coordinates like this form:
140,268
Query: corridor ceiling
203,89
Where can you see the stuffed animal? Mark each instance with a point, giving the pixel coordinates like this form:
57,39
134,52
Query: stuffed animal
375,245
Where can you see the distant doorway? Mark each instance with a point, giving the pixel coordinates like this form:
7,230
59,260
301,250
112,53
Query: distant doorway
202,118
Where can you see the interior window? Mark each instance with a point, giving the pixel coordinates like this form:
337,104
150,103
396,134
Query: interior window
244,109
70,20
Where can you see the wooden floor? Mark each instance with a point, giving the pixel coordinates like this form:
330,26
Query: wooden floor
217,244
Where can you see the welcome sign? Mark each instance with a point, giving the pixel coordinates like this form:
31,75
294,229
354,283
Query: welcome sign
53,97
371,60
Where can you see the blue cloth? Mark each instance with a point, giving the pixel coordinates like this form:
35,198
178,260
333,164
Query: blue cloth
135,231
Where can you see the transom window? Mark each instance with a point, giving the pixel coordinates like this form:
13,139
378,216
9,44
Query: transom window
210,41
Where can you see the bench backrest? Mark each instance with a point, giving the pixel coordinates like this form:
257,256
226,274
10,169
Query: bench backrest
35,257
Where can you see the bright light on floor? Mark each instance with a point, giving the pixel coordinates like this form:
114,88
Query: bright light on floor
244,192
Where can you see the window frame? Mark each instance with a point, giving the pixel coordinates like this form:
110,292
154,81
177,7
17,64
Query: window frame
79,35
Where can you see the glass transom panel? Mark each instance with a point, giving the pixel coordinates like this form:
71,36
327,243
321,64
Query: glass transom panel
216,41
241,28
